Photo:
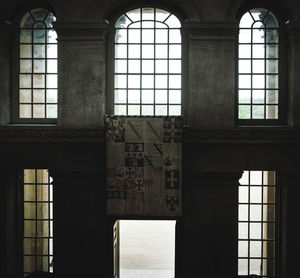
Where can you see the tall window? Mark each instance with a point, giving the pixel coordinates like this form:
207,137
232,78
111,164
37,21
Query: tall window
37,66
258,66
147,63
38,221
257,223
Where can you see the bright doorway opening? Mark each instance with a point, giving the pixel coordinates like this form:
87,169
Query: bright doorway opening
144,249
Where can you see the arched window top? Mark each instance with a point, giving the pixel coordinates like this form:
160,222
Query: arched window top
37,18
258,18
259,97
147,63
147,18
37,98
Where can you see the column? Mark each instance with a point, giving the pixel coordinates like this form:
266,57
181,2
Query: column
82,73
80,232
210,224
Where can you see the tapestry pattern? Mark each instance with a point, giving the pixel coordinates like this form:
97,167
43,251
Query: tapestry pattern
144,157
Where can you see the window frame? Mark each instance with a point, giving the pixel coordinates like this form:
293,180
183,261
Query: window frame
111,55
15,69
282,70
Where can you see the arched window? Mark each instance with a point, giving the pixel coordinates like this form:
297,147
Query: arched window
147,63
258,67
37,66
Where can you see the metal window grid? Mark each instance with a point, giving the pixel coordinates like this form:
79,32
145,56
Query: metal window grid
257,234
251,108
38,101
168,107
38,221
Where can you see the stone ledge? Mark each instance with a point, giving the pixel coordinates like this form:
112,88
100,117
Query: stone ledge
15,134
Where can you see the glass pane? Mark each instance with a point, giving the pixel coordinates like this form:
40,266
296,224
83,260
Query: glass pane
175,66
134,110
38,111
29,264
29,246
272,81
161,81
244,96
258,112
173,22
174,110
272,112
161,51
51,36
255,266
25,96
29,193
272,51
134,81
25,81
243,212
38,80
256,177
245,36
148,96
147,36
25,51
39,51
122,22
121,36
120,96
258,51
121,51
272,66
51,111
134,15
258,66
161,110
134,66
272,36
161,36
29,210
38,96
120,81
42,246
51,96
255,194
148,66
174,36
255,248
243,230
25,36
244,180
27,21
244,111
269,212
147,81
52,51
39,66
175,96
161,66
244,66
147,51
133,96
175,51
269,231
25,66
245,51
258,96
258,36
120,109
134,51
42,228
255,231
29,228
134,35
39,35
51,81
42,209
52,66
161,96
243,266
255,213
258,81
25,111
175,81
161,15
244,81
147,110
246,21
243,194
243,249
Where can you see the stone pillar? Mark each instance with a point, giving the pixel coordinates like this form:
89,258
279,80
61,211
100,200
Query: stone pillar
210,224
79,224
289,224
5,73
211,71
12,225
81,73
293,74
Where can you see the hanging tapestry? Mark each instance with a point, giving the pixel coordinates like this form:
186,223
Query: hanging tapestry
144,156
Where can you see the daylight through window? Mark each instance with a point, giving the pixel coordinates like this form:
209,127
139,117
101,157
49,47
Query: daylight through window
147,63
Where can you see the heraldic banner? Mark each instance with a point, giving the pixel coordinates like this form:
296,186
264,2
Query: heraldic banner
144,156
